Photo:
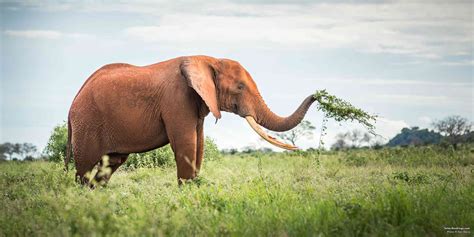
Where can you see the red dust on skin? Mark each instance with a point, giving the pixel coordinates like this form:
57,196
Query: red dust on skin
123,109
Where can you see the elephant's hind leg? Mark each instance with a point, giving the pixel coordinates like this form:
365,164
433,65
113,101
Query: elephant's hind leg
83,168
105,171
86,167
87,154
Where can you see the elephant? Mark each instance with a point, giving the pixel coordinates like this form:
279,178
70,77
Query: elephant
123,109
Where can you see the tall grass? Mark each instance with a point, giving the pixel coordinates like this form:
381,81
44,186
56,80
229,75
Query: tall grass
253,195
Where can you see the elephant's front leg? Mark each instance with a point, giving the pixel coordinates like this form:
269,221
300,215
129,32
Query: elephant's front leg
184,145
200,145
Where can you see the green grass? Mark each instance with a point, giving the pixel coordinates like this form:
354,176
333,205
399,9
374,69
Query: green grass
251,195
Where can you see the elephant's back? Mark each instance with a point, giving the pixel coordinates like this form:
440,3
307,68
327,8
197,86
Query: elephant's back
119,71
117,88
102,70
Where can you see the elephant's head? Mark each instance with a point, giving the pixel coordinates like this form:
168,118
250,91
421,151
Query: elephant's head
225,85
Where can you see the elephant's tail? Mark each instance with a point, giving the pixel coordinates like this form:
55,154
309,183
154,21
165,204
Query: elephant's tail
68,145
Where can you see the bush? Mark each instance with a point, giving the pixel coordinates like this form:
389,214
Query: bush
56,148
161,157
164,156
211,151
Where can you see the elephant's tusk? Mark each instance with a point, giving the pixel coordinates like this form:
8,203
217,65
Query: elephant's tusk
265,136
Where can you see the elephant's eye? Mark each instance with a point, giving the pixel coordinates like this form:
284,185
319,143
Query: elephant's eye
240,86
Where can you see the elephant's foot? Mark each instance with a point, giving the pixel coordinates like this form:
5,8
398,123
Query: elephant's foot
107,166
182,181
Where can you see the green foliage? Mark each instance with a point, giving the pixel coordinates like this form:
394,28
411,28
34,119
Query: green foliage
211,151
6,150
355,159
409,156
417,178
161,157
341,110
274,194
415,136
57,143
164,156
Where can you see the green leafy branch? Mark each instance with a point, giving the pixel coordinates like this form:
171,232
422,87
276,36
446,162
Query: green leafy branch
341,110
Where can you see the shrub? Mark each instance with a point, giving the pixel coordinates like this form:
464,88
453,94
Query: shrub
211,151
164,156
56,148
161,157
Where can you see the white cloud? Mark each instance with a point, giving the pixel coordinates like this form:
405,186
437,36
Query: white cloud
459,63
425,121
46,34
388,128
425,29
392,82
34,34
414,99
428,30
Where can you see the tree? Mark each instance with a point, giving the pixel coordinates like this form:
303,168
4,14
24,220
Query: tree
27,150
7,150
56,147
304,129
249,149
3,151
21,151
340,144
230,151
415,137
455,129
354,139
17,148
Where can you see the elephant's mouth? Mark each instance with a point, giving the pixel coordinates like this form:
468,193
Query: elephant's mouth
235,108
267,137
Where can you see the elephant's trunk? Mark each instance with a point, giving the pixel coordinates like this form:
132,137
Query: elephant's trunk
265,117
269,120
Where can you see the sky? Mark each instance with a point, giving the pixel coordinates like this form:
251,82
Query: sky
409,62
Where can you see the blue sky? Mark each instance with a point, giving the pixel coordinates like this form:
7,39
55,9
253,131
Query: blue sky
410,62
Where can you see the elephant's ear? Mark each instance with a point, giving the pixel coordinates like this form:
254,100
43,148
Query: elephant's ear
200,76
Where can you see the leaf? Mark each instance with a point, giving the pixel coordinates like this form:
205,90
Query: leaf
341,110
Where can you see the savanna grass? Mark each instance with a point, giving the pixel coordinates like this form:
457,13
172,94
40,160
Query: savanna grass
255,195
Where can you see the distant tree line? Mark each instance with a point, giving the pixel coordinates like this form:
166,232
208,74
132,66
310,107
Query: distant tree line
356,139
15,151
450,131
